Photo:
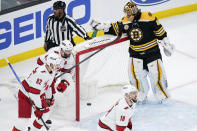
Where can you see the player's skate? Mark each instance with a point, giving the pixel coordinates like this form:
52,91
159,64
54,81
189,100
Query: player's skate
48,123
163,101
161,98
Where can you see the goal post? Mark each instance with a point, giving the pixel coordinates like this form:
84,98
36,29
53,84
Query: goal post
83,69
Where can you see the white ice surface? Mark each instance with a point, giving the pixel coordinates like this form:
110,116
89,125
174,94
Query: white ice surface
178,114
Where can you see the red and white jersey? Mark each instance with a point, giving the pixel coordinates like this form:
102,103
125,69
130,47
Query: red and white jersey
118,117
38,84
65,64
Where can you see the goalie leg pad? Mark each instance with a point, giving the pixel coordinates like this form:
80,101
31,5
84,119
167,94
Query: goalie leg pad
158,79
138,77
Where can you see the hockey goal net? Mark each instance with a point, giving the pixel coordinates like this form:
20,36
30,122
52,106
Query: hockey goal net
105,70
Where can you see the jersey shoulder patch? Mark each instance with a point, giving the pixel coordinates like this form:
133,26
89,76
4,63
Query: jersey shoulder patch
147,16
124,20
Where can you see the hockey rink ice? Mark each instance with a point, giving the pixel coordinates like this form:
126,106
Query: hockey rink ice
177,114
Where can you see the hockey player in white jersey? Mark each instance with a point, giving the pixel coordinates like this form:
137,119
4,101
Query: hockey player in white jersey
36,90
65,53
65,83
118,118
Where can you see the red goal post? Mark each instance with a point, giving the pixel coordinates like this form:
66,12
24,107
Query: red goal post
86,50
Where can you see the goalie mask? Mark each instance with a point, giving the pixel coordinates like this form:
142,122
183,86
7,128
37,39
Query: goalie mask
130,9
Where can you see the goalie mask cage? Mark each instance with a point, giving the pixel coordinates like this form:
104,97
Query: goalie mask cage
109,67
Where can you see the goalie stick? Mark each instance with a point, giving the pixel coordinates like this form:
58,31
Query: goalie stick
26,93
110,43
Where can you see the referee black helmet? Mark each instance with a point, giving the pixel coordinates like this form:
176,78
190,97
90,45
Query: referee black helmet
59,5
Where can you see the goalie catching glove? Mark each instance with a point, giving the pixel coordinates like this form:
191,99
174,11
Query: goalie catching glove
62,85
96,25
168,48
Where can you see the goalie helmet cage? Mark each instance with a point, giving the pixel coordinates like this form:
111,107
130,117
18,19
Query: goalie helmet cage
78,71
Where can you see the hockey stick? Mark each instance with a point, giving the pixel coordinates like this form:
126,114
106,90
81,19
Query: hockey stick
110,43
26,93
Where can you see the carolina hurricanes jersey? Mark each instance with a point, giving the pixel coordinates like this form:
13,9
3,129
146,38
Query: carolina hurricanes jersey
37,83
65,64
119,115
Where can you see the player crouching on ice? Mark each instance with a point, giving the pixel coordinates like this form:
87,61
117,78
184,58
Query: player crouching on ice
118,118
36,92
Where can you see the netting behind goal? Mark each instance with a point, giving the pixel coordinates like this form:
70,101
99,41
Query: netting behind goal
108,68
102,73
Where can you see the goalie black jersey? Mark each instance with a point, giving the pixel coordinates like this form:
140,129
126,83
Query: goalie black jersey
143,33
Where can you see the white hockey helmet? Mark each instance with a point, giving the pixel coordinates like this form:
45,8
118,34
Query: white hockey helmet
53,59
66,45
128,88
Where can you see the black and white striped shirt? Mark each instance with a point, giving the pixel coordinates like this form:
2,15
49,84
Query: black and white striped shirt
58,30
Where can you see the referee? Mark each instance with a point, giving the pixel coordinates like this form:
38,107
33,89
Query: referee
61,27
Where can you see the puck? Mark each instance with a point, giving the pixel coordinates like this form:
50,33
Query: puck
89,104
48,122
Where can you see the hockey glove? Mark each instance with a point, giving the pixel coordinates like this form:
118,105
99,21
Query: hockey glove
168,48
46,102
94,24
100,26
51,101
40,111
63,85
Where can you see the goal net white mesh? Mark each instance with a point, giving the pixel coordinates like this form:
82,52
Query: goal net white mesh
103,71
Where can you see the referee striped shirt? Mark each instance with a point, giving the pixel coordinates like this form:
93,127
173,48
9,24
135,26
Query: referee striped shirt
58,30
